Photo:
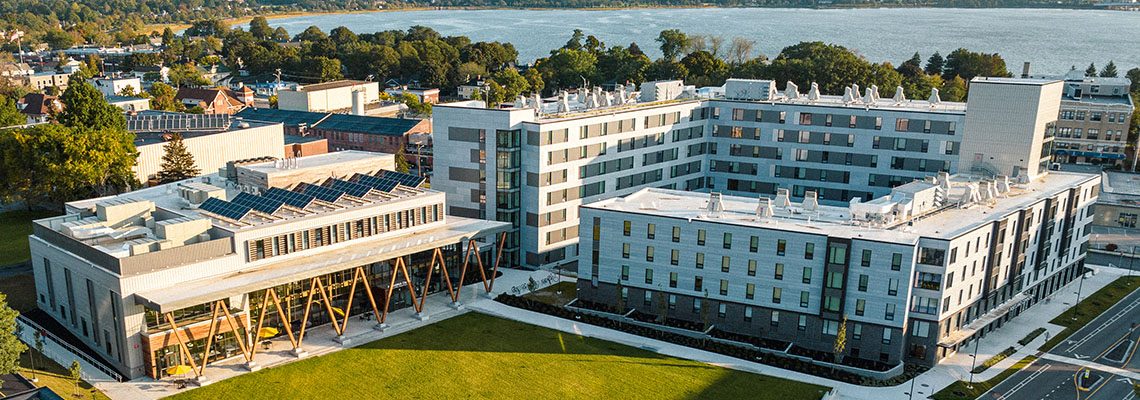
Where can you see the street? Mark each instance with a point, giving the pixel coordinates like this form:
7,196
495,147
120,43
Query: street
1094,363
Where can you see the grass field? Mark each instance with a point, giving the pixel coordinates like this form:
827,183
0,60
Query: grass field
15,226
55,377
479,356
1091,307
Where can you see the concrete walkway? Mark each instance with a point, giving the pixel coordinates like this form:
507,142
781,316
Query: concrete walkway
1092,365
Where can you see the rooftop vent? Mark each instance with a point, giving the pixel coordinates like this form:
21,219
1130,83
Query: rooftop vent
813,93
934,99
782,198
811,201
715,207
900,97
764,209
848,96
792,92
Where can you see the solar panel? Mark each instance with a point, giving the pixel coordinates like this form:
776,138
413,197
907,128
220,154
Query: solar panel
383,185
404,179
265,205
225,208
320,192
299,200
354,189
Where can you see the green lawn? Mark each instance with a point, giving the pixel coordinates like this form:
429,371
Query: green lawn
1091,307
55,377
15,226
958,390
479,356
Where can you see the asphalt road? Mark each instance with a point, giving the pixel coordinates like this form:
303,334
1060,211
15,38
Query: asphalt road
1104,349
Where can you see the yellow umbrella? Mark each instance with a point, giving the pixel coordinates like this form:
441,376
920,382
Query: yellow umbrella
178,370
267,332
338,311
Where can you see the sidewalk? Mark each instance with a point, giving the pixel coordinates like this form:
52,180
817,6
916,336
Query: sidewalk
318,340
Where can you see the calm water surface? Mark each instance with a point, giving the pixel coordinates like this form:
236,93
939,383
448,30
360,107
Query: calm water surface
1053,40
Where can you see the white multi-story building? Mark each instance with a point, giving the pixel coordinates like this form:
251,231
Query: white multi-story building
533,163
202,270
333,96
915,274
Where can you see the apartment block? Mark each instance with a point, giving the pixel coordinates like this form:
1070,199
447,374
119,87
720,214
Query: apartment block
915,274
532,163
1095,116
202,270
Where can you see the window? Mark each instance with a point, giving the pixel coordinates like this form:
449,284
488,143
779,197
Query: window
830,327
889,313
779,271
902,124
672,279
896,261
809,251
727,240
625,272
805,298
675,257
649,253
676,234
700,237
648,298
781,247
866,261
672,302
754,244
625,250
648,276
892,287
749,291
831,303
747,314
722,310
725,261
835,280
921,329
697,307
751,267
651,231
700,260
807,275
698,284
776,294
802,326
724,287
626,228
863,280
860,307
775,318
837,254
857,331
886,335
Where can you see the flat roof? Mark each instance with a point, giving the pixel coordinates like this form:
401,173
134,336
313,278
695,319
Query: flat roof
331,85
361,252
319,161
947,222
1015,81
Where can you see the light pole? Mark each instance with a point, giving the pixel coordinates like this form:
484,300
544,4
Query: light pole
973,362
910,394
1080,285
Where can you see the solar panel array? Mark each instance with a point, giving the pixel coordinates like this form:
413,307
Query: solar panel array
225,208
162,122
404,179
383,185
354,189
263,204
320,192
299,200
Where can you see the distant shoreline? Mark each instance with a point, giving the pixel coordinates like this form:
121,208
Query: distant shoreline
296,14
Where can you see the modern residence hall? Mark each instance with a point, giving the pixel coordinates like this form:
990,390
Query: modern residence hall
915,275
202,270
532,163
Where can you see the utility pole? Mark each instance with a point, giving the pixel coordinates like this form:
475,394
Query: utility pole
973,362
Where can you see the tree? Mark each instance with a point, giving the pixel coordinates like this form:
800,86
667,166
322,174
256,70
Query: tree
187,75
672,42
1091,70
566,68
953,90
495,94
38,359
259,28
280,35
177,162
704,69
534,79
402,164
208,27
10,345
50,164
162,97
84,106
311,34
167,36
934,64
619,65
664,69
1134,76
57,39
9,115
740,50
968,64
512,82
575,42
1109,70
75,372
841,340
